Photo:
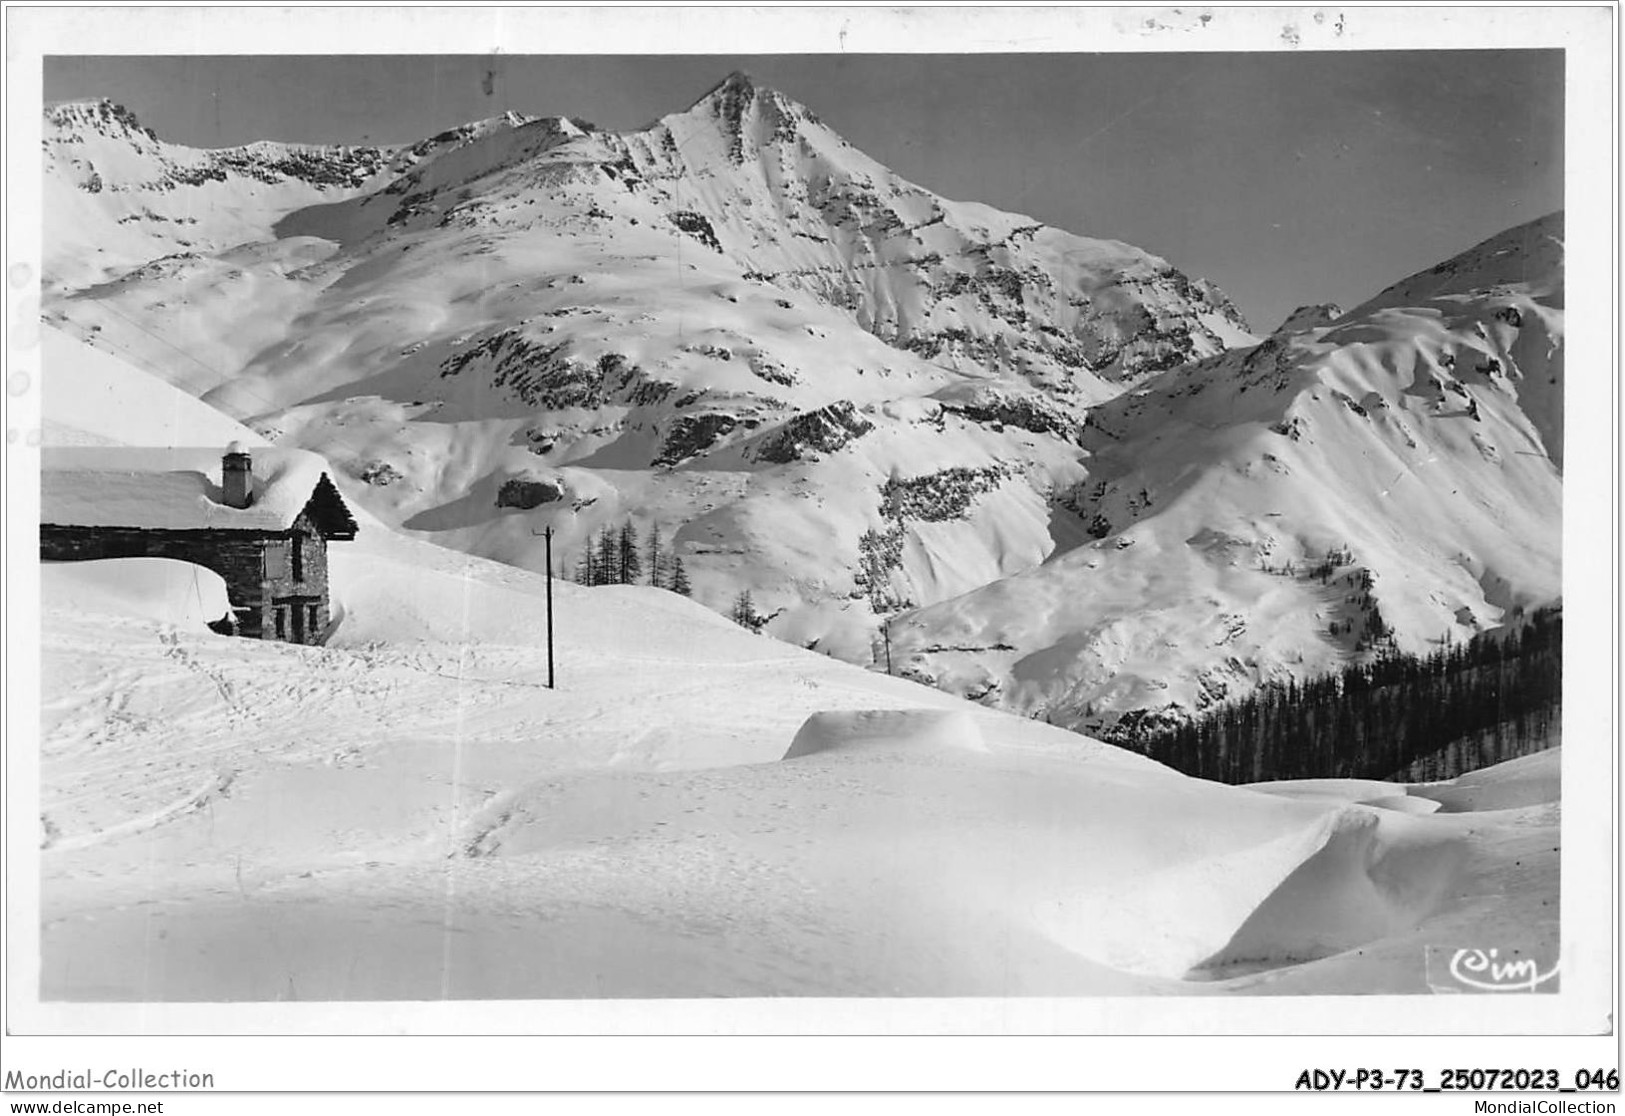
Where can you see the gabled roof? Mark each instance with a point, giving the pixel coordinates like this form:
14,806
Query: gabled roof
178,489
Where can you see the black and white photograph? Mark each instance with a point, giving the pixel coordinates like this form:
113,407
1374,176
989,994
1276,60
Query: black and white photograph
899,523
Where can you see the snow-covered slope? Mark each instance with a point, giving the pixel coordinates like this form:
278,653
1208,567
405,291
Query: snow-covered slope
95,398
1390,473
731,324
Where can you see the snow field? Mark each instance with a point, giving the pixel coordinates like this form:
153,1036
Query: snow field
410,814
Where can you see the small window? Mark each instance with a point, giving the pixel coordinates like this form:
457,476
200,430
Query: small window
311,624
299,557
282,623
276,559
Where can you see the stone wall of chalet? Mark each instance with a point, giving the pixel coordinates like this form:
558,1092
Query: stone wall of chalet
259,569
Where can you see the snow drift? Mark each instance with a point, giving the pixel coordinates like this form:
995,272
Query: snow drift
913,730
1374,877
164,590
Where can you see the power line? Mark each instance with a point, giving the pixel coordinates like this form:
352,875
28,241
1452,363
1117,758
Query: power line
224,378
105,305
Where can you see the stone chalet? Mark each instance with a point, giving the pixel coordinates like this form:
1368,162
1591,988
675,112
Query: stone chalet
263,525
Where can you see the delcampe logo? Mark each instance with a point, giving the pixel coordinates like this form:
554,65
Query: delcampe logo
1490,970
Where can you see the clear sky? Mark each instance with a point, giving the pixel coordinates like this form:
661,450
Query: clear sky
1286,178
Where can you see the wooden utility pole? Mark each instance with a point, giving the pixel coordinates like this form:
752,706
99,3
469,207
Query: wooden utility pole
547,536
885,630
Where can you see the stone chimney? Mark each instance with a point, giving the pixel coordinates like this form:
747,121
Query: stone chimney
237,477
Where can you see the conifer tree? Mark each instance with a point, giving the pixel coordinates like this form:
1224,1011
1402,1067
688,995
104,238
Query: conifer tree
658,560
629,562
744,612
679,577
608,557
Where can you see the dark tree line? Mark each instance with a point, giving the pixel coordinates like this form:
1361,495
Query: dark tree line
1463,707
613,557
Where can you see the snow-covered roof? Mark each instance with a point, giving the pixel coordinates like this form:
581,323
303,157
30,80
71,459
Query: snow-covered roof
178,489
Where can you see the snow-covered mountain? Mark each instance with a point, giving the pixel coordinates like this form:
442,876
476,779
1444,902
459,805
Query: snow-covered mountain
730,323
1391,474
120,197
1086,485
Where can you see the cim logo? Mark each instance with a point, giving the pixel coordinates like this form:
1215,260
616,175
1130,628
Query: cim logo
1489,970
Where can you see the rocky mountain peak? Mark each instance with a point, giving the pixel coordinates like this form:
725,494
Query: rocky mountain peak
100,115
738,86
749,113
739,80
